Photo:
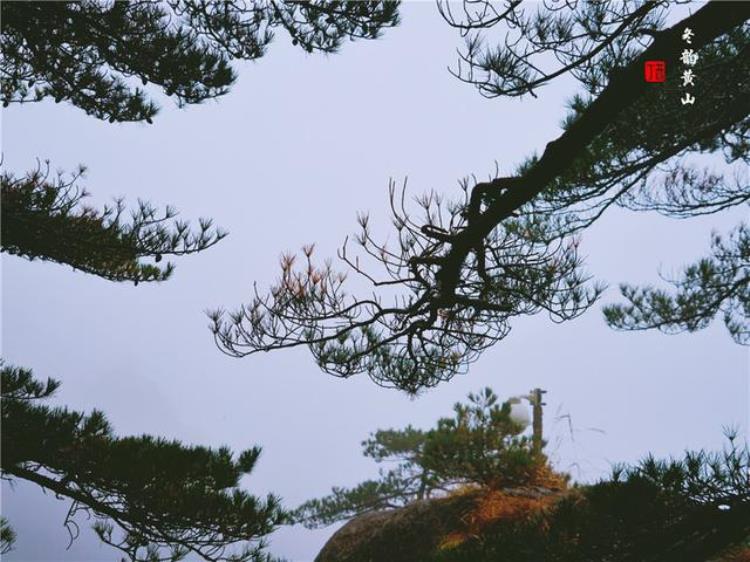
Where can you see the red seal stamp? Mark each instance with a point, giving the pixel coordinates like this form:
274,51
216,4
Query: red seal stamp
655,71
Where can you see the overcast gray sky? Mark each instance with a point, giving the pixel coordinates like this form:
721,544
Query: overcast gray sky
300,145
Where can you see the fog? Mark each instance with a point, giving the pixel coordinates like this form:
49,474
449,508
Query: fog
288,157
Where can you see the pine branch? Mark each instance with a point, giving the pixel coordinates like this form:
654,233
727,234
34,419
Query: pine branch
43,217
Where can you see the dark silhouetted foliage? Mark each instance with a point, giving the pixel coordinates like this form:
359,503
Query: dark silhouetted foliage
716,285
7,536
694,509
461,270
43,217
152,498
92,53
687,510
480,444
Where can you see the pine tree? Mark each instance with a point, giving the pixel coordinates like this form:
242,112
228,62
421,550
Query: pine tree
690,509
457,272
43,217
152,498
480,445
86,52
718,284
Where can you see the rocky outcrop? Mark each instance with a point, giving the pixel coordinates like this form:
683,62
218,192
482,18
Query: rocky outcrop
408,534
414,533
531,524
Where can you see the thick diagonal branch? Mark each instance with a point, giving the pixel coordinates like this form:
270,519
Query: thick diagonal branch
625,89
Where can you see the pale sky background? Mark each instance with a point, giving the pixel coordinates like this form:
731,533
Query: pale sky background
288,157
